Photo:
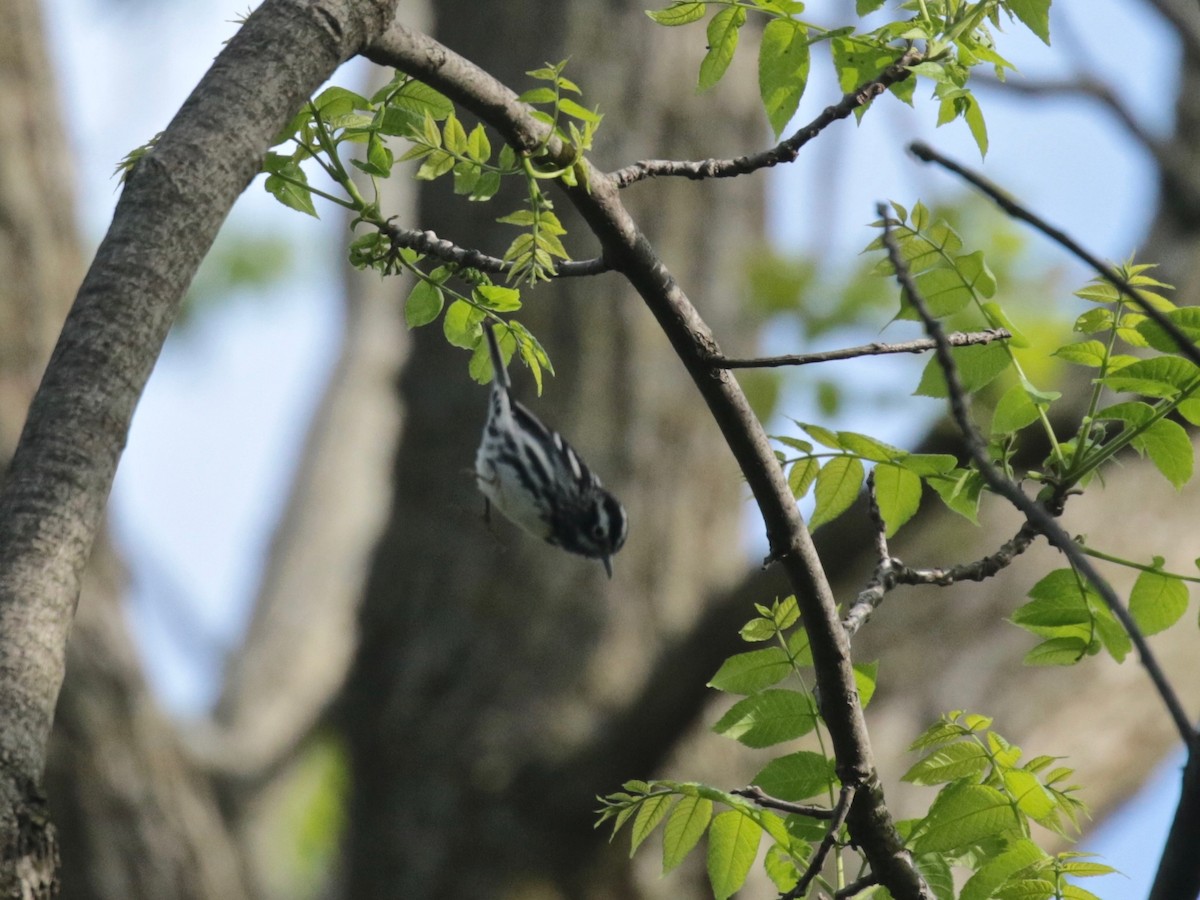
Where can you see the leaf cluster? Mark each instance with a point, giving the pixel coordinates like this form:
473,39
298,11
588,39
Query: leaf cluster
982,815
954,35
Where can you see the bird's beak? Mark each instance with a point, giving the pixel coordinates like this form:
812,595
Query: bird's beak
607,560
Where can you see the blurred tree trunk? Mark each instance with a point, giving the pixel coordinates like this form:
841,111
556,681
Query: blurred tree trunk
134,822
486,654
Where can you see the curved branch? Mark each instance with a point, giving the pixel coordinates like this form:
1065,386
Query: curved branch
629,252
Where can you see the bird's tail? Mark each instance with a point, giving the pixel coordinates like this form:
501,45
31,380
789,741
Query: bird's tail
500,373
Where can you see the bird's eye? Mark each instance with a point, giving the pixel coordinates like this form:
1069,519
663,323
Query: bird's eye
598,532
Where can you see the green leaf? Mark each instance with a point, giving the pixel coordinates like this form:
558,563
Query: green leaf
1014,411
436,164
419,99
1094,320
650,813
677,13
965,759
1164,376
1186,320
1132,412
899,494
1027,889
688,822
865,677
961,492
858,61
293,196
783,65
781,868
802,475
1032,799
723,30
796,776
732,845
1157,601
964,814
868,447
822,436
863,7
752,671
1035,14
1084,353
768,718
977,366
927,464
973,114
838,484
424,304
461,325
1060,651
1018,855
498,298
1169,448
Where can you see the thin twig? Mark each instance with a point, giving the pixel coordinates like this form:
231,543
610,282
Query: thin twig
1187,347
766,801
831,833
783,152
430,244
1035,513
921,345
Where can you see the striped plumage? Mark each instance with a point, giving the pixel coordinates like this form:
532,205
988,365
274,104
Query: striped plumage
537,480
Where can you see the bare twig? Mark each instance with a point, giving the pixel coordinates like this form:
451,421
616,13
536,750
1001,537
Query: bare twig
822,851
1186,346
429,243
766,801
1035,512
783,152
921,345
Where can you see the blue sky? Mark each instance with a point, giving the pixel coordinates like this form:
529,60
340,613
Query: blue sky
216,433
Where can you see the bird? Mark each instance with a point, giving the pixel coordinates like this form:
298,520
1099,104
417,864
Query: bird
536,479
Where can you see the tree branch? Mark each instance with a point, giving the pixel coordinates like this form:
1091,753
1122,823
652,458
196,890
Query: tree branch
783,152
921,345
629,252
925,153
1035,513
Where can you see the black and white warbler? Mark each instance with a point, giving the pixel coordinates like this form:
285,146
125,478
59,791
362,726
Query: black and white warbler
537,480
